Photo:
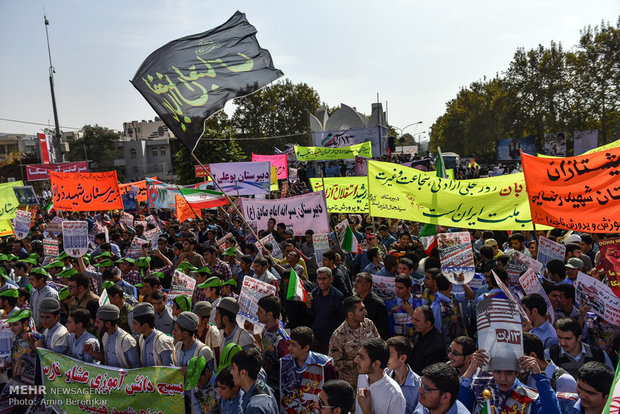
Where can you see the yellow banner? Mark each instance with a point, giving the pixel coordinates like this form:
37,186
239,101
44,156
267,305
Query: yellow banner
340,153
274,179
8,206
344,194
496,203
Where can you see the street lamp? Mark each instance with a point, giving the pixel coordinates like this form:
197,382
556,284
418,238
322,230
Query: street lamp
402,142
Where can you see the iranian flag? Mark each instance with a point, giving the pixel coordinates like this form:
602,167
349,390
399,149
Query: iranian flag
349,242
613,400
104,299
200,199
296,291
428,237
50,207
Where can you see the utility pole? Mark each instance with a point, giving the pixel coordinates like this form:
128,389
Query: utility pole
60,156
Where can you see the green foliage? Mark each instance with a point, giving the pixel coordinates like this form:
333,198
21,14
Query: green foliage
278,110
545,89
216,145
99,145
13,169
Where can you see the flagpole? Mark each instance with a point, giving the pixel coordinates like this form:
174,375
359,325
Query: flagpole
227,196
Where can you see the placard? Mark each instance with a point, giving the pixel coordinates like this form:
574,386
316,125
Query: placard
599,296
530,284
384,287
26,195
50,247
21,224
320,241
251,291
457,257
75,237
549,250
500,333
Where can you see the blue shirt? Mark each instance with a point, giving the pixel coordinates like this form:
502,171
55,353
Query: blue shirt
148,360
457,408
263,402
547,334
133,360
76,345
410,388
186,355
48,341
232,406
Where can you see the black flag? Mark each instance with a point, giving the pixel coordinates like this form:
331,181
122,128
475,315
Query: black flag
190,79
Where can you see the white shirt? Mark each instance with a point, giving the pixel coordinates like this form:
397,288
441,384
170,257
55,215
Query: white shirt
385,396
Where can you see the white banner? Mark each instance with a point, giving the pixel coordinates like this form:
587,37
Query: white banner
75,237
300,213
585,141
500,333
457,257
346,138
277,252
251,291
599,296
530,284
320,241
549,250
243,178
21,224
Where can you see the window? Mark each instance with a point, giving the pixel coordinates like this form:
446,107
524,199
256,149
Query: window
162,151
154,152
133,153
135,169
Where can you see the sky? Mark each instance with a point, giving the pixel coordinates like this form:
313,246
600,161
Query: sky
415,55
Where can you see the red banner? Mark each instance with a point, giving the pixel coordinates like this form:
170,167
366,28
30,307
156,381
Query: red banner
45,154
38,172
200,171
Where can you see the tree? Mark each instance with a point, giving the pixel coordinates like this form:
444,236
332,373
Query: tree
216,145
543,90
279,110
596,67
100,146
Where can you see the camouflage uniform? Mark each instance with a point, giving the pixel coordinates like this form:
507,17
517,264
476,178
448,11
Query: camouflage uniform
344,345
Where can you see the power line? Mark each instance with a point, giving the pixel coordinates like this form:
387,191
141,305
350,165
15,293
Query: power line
217,139
36,123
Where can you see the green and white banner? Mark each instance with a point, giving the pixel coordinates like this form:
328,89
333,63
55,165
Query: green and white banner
73,386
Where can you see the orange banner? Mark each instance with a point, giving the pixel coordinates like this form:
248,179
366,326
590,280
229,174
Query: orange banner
85,191
141,192
579,193
183,209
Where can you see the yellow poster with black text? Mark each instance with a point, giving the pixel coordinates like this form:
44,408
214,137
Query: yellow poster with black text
495,203
8,206
344,194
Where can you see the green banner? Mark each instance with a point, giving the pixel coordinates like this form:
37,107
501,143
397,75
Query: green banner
73,386
344,194
339,153
496,203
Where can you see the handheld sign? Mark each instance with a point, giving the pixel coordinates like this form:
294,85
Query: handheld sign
75,237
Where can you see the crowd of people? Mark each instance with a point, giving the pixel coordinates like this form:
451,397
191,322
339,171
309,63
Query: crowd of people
345,349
